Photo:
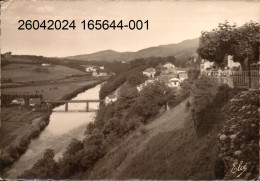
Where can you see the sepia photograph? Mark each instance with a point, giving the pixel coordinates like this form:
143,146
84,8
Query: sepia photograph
130,90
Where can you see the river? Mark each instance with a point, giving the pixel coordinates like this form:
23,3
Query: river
63,127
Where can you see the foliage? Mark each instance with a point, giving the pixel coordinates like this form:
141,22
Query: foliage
15,150
193,74
111,85
134,75
113,121
242,42
208,98
44,167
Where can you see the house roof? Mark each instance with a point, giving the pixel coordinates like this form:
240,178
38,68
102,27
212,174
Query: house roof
149,70
175,80
111,96
19,99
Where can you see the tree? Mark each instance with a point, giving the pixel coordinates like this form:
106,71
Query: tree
242,42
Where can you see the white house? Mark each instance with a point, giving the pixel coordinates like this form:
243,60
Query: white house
231,62
110,99
46,64
102,74
182,75
150,72
102,67
18,101
174,82
147,82
169,66
91,69
205,65
95,74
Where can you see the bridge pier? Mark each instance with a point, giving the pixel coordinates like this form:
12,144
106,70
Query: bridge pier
87,107
66,106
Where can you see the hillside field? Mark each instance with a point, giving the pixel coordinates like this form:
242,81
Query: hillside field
32,72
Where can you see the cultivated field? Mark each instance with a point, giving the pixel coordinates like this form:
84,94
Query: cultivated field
32,72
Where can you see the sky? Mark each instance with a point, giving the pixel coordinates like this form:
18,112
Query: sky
169,22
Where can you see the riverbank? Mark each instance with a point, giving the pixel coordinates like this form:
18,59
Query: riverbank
20,125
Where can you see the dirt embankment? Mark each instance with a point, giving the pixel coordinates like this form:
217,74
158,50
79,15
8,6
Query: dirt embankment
166,148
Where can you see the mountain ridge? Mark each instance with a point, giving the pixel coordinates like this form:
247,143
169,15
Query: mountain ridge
183,49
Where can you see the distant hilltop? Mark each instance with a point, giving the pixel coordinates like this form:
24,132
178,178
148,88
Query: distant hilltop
183,49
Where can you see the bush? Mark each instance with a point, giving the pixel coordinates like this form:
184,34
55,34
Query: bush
35,132
193,74
208,99
204,92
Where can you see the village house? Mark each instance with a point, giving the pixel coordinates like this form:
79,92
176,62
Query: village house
205,64
174,82
95,74
140,87
46,64
35,102
150,72
18,101
91,69
102,74
182,75
147,82
102,67
110,99
7,55
169,66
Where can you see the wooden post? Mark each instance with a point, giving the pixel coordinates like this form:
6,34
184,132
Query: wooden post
87,107
66,107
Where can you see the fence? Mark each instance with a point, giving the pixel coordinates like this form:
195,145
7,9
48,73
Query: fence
243,79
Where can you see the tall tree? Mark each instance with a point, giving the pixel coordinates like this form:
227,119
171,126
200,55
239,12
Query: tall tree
242,42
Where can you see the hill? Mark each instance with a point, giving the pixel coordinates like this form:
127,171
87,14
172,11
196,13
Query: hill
183,49
35,72
168,142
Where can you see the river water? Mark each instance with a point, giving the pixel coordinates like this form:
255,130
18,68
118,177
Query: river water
63,126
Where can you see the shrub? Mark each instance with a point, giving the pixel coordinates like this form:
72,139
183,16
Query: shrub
208,99
35,132
193,74
45,167
204,92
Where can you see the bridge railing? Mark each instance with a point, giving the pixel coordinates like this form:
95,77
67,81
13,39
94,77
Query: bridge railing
66,102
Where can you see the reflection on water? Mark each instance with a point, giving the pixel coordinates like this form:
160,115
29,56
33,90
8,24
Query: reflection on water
57,135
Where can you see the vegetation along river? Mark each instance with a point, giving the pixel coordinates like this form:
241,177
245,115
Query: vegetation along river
63,127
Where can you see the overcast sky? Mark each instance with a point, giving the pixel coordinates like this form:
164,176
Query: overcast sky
169,22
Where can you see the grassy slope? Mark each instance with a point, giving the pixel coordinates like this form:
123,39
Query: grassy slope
15,123
48,90
167,148
28,72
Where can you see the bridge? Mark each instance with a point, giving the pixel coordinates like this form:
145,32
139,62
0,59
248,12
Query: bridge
66,102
